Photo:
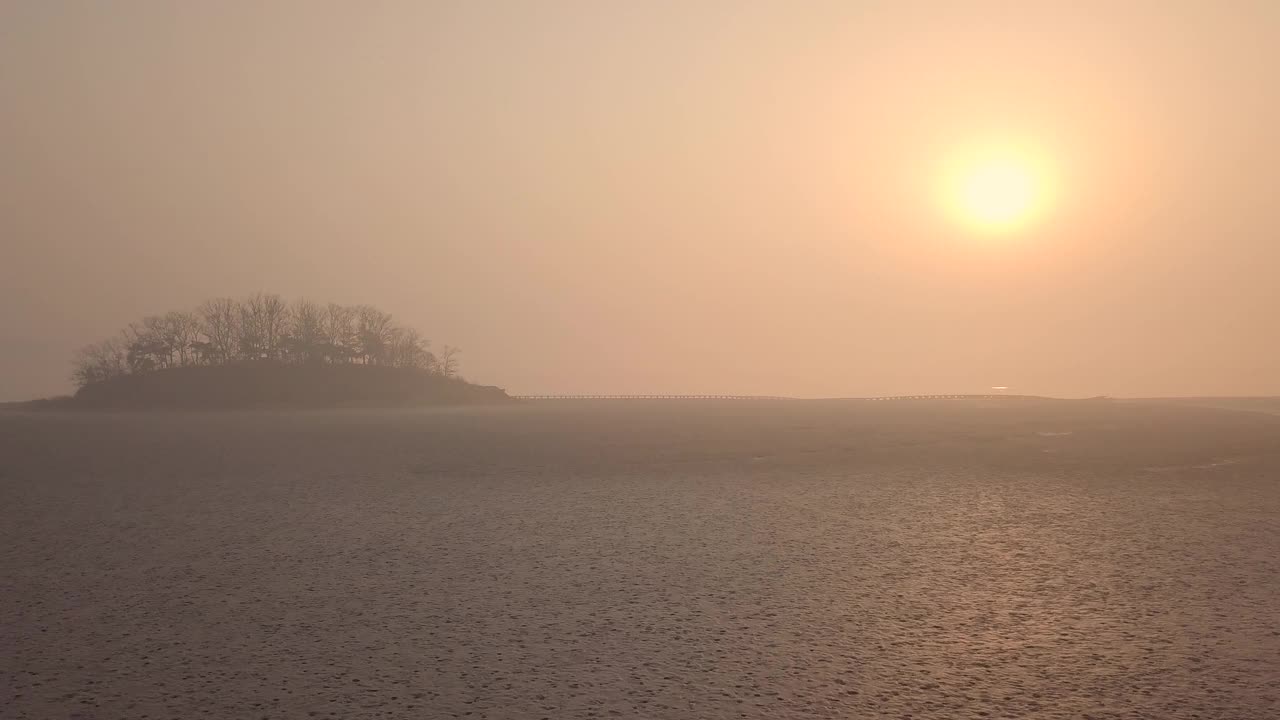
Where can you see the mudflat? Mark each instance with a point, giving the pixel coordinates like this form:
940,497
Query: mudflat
814,559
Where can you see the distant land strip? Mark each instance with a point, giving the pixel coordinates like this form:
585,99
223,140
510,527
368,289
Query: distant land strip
773,397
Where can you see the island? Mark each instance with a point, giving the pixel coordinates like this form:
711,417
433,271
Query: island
264,352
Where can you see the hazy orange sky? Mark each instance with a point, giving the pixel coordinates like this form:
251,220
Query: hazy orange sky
663,196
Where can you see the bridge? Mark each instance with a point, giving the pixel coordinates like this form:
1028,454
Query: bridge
774,397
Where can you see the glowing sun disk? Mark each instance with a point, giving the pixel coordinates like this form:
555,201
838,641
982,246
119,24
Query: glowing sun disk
997,191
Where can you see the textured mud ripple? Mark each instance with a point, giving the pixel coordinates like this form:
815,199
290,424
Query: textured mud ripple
649,562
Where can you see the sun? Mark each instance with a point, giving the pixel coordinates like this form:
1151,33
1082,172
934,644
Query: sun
997,190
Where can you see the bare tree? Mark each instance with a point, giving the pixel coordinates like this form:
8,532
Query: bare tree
181,332
148,344
374,330
100,361
275,314
408,349
447,361
262,326
220,324
341,339
306,336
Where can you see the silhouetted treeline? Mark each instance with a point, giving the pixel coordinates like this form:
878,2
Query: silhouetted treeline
262,329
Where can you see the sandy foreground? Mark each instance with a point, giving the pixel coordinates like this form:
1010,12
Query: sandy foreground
958,559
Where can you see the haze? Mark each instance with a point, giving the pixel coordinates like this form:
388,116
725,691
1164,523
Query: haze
718,197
